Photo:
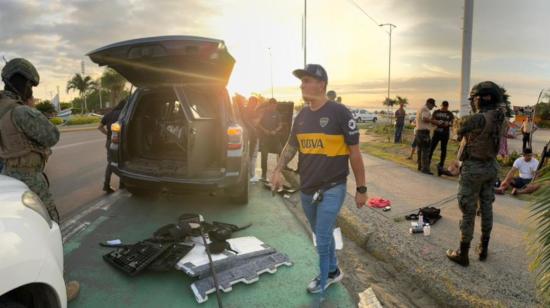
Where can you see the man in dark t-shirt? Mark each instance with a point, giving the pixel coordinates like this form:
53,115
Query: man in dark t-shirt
270,126
105,127
443,118
327,139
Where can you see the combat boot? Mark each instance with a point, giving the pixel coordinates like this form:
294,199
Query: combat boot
483,248
460,256
73,288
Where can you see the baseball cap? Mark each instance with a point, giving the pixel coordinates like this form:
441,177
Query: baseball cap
431,100
527,151
445,103
313,70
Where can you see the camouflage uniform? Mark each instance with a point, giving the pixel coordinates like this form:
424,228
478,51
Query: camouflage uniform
477,180
29,168
480,134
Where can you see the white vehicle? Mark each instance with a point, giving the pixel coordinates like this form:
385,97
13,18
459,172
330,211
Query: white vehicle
363,115
31,252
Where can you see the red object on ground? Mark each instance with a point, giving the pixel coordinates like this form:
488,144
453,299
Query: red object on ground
379,203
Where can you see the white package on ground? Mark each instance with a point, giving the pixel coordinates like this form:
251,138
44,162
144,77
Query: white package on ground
194,263
246,271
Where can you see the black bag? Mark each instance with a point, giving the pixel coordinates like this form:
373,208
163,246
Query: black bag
430,215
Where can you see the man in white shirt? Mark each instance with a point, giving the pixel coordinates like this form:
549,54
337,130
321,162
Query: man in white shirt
527,168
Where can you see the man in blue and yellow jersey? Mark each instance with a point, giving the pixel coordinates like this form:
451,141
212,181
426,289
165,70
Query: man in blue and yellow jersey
327,139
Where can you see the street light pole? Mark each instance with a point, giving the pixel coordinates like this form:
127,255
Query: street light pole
271,70
391,26
466,57
305,33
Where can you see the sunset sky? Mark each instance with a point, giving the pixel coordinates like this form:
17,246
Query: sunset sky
511,44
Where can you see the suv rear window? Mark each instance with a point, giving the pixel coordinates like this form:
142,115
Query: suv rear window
203,102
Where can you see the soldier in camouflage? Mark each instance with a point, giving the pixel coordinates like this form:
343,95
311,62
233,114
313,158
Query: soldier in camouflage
26,135
480,136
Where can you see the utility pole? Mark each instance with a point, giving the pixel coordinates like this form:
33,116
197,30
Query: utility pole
99,92
466,57
83,74
305,33
391,26
271,70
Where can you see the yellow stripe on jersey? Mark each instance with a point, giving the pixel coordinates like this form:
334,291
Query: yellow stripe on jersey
322,144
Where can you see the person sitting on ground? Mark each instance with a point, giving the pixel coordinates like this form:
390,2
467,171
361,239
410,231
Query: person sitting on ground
527,168
452,170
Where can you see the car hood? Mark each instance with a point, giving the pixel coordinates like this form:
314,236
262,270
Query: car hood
158,61
10,185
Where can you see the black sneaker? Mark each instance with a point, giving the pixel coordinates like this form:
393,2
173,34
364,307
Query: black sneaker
315,284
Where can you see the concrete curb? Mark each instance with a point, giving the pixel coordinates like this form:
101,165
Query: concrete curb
411,256
422,261
76,129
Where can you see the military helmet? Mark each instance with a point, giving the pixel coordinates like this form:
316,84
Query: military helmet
487,88
23,67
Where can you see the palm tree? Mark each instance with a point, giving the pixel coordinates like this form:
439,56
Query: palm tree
540,236
401,100
82,84
114,83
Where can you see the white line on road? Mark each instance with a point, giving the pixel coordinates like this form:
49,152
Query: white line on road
74,231
60,147
103,204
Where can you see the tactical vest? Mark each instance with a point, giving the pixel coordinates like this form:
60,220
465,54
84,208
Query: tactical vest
484,144
13,142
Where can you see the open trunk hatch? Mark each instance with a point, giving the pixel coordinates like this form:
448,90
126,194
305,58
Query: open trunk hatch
164,60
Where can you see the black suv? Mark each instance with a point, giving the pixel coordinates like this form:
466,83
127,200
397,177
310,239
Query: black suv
179,130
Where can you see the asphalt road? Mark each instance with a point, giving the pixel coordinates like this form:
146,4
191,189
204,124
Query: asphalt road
76,169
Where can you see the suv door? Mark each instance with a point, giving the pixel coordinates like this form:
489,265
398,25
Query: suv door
203,105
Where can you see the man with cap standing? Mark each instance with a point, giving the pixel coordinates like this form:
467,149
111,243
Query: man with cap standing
423,126
443,119
480,136
26,137
331,95
327,139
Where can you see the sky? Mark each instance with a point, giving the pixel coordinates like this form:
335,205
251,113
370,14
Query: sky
510,42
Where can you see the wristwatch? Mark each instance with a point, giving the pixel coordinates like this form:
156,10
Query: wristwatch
362,189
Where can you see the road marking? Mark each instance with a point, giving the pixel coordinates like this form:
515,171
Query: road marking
60,147
74,231
103,204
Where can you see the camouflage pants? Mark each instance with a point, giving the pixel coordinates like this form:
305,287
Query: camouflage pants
38,184
476,184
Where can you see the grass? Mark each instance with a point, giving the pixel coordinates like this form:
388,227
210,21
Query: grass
56,121
77,120
380,144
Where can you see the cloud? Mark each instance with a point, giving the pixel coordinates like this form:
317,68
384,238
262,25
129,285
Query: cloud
56,35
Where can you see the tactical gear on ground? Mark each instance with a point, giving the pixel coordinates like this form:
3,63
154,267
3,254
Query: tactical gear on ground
22,67
460,256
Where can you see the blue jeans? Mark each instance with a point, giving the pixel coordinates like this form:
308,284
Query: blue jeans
322,218
398,132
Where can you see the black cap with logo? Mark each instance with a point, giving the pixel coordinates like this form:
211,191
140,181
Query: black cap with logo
312,70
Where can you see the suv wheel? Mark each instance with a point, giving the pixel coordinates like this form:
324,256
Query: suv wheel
140,192
239,192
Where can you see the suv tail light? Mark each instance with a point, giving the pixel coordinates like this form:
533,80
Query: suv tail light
115,132
234,137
